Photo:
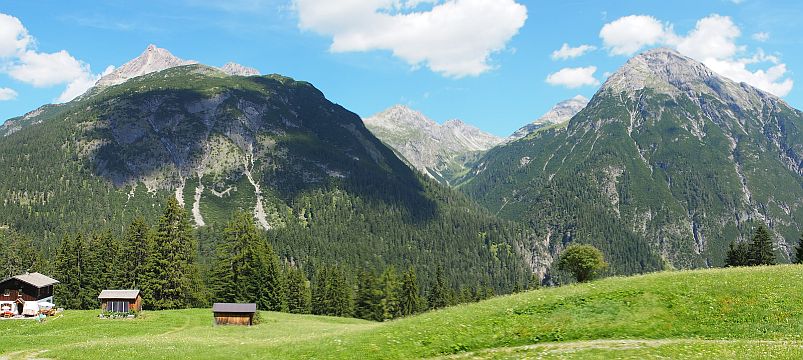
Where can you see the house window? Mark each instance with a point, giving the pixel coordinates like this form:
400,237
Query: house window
7,292
117,306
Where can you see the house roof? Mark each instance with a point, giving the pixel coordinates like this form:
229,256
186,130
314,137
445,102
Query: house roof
119,294
234,308
35,279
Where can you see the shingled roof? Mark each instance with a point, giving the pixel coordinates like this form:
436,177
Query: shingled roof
36,279
234,308
119,294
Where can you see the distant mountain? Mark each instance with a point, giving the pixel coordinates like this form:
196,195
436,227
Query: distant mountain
232,68
557,115
308,170
443,152
665,167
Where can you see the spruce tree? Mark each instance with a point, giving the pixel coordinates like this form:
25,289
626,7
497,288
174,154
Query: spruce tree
391,294
297,291
409,300
320,292
136,242
172,277
365,302
439,291
738,255
760,250
799,251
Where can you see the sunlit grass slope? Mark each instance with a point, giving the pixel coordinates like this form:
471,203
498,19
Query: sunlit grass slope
723,313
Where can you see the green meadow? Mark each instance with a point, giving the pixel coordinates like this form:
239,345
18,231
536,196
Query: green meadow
702,314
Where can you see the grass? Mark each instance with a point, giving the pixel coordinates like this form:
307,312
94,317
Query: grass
722,313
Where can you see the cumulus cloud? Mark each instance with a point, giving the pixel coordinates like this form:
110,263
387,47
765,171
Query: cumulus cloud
7,94
13,36
23,62
573,77
629,34
713,41
568,52
455,38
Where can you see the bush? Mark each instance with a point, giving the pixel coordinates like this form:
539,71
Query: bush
584,262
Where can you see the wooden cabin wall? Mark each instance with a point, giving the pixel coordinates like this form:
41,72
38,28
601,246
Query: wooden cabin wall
233,319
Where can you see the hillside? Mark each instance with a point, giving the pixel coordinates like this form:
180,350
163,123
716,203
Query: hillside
667,165
442,152
724,313
307,169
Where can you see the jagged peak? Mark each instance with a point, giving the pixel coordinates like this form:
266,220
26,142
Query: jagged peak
151,60
400,114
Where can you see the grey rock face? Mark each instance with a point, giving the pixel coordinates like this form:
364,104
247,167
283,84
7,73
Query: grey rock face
558,114
153,59
233,68
439,151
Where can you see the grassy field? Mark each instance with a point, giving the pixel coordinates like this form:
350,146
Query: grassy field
734,313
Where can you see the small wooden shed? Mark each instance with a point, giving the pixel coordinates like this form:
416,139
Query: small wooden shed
234,314
120,301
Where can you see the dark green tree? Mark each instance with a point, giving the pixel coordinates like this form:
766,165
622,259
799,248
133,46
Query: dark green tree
136,242
738,255
391,294
584,262
409,300
19,254
760,249
799,251
438,291
297,291
368,297
171,276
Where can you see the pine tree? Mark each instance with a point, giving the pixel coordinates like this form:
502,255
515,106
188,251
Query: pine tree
409,299
738,255
439,292
761,252
136,243
19,255
71,261
799,251
391,294
297,291
365,300
172,277
321,301
342,294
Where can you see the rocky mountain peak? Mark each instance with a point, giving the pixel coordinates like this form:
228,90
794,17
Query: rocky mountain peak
151,60
558,114
232,68
399,116
668,72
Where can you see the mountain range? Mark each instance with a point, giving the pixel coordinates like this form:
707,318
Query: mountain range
663,167
309,171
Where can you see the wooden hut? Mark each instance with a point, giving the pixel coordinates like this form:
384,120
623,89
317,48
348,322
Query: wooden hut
120,301
29,287
234,314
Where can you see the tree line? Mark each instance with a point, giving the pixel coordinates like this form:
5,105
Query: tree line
163,262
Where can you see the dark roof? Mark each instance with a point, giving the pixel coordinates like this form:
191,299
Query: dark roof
234,308
36,279
119,294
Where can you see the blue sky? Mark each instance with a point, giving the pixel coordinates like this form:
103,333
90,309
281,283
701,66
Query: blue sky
428,54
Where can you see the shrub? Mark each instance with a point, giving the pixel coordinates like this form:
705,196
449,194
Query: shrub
584,262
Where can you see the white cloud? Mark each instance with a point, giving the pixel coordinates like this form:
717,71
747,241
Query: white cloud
22,62
454,38
761,36
568,52
573,77
627,35
7,94
13,36
81,84
47,69
713,41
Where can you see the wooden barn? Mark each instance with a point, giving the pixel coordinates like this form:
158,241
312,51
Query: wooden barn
234,314
120,301
30,288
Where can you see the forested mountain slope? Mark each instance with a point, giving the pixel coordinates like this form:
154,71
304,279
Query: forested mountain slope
667,165
307,169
